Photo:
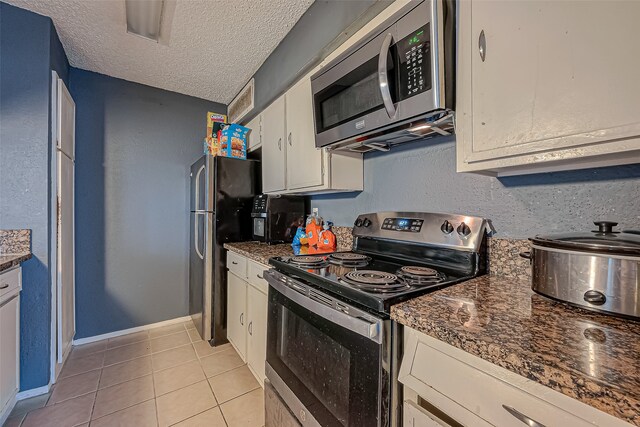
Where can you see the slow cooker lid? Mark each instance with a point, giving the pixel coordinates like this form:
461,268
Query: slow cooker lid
603,240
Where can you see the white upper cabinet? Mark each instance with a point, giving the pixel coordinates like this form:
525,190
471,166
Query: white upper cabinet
255,136
304,160
291,163
273,148
547,85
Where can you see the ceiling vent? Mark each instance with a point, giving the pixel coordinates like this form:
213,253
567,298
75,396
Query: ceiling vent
242,104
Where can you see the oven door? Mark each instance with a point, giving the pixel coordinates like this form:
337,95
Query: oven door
393,78
323,362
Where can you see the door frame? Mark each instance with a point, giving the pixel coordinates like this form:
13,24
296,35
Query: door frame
55,367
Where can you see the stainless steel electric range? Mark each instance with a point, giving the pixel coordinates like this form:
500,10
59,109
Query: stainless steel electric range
332,351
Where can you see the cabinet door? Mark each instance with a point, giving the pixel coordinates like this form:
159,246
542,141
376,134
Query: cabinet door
553,76
9,345
273,148
304,160
236,312
257,329
255,136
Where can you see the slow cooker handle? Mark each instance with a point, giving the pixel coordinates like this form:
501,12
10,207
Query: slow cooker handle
605,226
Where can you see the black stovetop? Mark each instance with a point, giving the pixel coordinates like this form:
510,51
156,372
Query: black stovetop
331,277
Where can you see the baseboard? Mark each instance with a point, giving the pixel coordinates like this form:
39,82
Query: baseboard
88,340
6,411
33,392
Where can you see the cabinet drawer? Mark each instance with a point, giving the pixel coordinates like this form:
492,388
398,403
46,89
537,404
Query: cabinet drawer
237,264
426,368
255,276
10,281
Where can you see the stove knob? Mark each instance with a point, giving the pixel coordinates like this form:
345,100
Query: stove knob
366,222
463,229
446,227
358,223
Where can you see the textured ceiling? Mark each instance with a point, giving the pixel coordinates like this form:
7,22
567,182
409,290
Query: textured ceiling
213,47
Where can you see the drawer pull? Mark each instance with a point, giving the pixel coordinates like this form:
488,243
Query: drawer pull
4,286
242,319
259,277
251,328
234,263
522,417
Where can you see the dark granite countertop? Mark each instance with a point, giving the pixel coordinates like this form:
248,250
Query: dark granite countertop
590,357
260,252
11,260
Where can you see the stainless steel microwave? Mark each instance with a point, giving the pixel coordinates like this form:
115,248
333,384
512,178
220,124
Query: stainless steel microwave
396,81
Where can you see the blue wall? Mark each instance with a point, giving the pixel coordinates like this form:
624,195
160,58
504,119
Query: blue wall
322,28
422,176
28,44
134,148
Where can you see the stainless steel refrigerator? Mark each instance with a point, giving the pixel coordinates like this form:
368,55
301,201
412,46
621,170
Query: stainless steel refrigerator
222,191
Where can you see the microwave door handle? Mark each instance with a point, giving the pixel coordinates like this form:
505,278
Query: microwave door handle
383,77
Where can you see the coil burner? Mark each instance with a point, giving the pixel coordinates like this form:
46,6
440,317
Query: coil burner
308,261
349,259
420,276
374,281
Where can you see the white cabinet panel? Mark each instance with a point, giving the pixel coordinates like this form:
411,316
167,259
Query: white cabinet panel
255,136
236,313
9,350
257,330
237,264
557,84
304,160
273,147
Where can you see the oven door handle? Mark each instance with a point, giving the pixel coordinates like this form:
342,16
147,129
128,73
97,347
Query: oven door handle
383,76
316,304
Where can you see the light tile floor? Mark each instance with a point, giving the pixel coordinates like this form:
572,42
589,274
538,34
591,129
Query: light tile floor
161,377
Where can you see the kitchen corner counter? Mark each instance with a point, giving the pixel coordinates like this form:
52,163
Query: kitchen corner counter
8,261
587,356
260,252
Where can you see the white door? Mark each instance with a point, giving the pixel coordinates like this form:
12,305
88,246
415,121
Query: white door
257,328
9,339
236,313
304,160
273,148
65,208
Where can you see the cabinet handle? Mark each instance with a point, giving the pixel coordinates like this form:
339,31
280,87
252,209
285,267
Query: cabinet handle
289,137
522,417
4,286
251,328
259,276
242,319
280,144
482,45
234,263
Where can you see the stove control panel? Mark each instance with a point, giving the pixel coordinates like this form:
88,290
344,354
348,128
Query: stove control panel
403,224
436,229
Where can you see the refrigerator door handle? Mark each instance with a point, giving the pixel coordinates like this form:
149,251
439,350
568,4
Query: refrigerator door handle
195,237
198,187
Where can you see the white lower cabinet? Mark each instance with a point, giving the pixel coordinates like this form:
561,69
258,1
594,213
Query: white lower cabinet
9,340
257,329
236,313
445,386
247,312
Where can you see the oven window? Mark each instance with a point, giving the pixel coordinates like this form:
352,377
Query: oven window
325,371
336,373
354,95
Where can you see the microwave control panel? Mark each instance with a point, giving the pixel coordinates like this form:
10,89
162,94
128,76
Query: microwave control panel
414,54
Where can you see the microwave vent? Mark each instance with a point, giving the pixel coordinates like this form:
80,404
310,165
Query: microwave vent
438,123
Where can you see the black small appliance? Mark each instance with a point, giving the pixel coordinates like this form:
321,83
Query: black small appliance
275,218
